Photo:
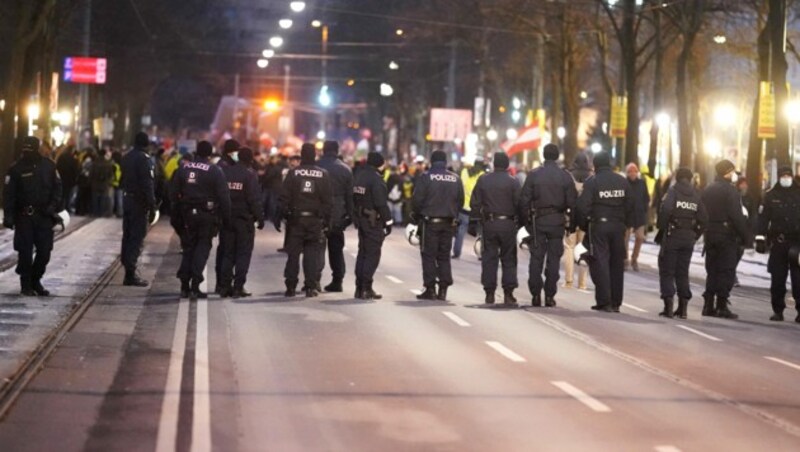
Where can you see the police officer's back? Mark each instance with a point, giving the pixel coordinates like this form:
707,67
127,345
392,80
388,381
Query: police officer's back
341,211
201,193
307,197
31,200
238,236
779,231
495,200
548,199
374,222
727,229
139,201
681,221
229,157
604,210
437,200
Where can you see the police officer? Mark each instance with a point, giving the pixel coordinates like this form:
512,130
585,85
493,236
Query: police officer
31,200
138,204
681,221
779,226
201,193
230,155
438,197
727,230
604,210
494,201
374,222
246,211
308,198
548,199
341,212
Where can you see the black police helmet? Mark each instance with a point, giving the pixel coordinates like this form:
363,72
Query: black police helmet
204,149
501,160
601,160
375,159
308,155
330,148
684,174
246,156
141,140
30,144
438,156
230,146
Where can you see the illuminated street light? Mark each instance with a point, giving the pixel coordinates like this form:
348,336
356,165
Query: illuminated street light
713,147
399,32
720,39
351,82
297,7
596,147
33,111
316,23
63,118
725,115
285,23
491,135
276,41
516,115
262,63
793,111
324,96
663,120
2,104
271,105
584,94
386,90
512,134
321,135
561,132
516,103
394,66
268,53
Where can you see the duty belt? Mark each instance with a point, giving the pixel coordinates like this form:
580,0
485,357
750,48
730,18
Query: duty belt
305,214
438,220
606,220
494,217
684,223
27,211
544,211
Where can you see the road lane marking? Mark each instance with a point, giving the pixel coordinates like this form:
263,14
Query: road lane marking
456,319
785,363
354,255
505,351
580,396
699,333
635,308
201,417
394,280
167,438
667,449
416,291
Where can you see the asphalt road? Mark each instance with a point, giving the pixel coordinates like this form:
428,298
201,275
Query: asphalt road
145,371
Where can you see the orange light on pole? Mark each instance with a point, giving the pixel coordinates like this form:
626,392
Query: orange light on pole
271,105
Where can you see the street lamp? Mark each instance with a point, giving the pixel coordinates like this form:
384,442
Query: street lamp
268,53
324,96
713,148
297,7
512,134
725,115
262,63
276,41
394,66
321,135
561,132
596,147
285,23
386,90
491,135
316,23
663,120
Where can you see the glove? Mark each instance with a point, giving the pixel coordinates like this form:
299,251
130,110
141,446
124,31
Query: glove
387,228
8,224
472,227
278,226
151,216
260,224
761,244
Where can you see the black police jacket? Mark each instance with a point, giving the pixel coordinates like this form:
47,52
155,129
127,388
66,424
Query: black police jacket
550,190
307,188
496,193
370,193
641,202
138,177
342,186
605,197
201,184
683,214
438,194
245,192
32,185
780,213
726,221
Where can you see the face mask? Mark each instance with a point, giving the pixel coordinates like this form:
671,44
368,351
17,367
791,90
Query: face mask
786,182
214,160
235,156
734,178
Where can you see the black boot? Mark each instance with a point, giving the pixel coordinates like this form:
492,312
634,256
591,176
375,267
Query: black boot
723,311
334,286
359,295
708,306
442,294
225,291
290,291
196,293
26,288
508,297
683,305
428,294
537,301
489,297
550,302
132,279
668,305
185,288
370,294
311,292
39,289
777,317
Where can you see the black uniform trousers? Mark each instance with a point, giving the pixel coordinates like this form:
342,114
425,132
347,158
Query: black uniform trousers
303,236
134,230
33,233
780,267
200,229
437,242
673,267
608,264
721,261
239,238
370,242
334,243
499,241
549,246
222,245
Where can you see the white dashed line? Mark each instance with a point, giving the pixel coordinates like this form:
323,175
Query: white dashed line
635,308
201,419
456,319
700,333
785,363
505,351
667,449
580,396
354,255
394,280
14,312
166,440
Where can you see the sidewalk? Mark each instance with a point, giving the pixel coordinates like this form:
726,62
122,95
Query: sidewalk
78,260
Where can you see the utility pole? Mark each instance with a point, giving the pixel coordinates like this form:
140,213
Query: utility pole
537,91
84,120
234,122
284,123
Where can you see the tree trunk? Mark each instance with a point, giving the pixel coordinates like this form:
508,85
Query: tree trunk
571,93
652,160
777,15
755,155
685,140
629,58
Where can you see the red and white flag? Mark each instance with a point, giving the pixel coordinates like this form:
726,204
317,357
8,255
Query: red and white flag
529,138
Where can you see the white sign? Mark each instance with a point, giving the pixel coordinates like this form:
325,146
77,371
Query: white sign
450,124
